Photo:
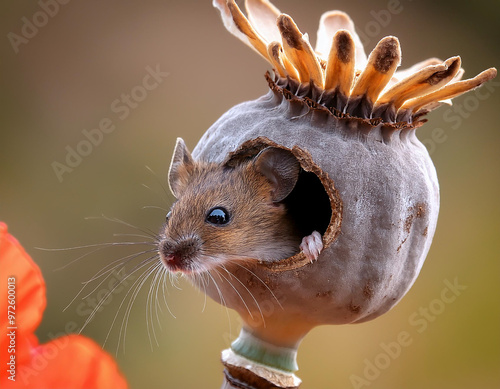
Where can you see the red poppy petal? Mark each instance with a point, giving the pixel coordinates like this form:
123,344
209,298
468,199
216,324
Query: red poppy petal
72,361
29,284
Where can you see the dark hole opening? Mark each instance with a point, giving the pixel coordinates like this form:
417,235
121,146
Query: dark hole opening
309,204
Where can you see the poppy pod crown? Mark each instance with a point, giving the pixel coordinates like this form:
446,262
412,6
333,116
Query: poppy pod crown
338,76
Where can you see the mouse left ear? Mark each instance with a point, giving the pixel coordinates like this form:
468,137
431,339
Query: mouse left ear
281,169
180,168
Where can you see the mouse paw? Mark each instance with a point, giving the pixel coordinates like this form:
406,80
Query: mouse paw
312,245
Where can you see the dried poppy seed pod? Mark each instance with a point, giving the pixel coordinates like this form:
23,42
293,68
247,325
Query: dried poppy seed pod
369,186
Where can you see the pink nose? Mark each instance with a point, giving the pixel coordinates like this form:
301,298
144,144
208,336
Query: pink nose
170,258
173,262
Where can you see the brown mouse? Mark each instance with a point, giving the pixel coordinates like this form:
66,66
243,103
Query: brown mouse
232,213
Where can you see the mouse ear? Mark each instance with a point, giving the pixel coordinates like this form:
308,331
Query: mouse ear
180,168
281,169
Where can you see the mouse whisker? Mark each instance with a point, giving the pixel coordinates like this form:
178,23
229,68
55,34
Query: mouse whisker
156,299
136,268
167,192
155,207
151,239
124,223
144,263
101,302
249,292
136,287
96,246
200,279
221,297
165,291
96,249
110,269
260,280
174,280
237,292
150,302
204,282
160,283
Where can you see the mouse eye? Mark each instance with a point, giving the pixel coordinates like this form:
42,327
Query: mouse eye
218,216
168,216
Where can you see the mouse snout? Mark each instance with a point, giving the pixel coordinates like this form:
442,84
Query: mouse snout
180,255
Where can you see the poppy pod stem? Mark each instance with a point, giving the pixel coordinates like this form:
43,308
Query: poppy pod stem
254,363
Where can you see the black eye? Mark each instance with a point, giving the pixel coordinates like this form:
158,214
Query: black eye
218,216
168,216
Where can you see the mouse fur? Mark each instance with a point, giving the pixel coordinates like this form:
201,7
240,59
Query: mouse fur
252,193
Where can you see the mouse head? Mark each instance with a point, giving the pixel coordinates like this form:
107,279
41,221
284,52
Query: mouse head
226,213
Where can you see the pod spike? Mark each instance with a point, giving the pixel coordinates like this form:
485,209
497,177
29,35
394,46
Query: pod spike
238,25
341,63
299,52
274,50
262,15
382,63
424,81
449,91
329,24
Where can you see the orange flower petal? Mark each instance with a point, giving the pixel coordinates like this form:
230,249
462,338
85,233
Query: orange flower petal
30,286
72,361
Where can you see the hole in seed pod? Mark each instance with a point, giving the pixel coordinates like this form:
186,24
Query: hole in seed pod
314,203
309,205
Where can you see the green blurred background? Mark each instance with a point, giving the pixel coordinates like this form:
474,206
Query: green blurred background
65,79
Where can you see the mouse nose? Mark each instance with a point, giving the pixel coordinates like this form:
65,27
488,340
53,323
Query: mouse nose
179,255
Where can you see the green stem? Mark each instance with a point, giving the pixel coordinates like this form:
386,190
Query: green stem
264,353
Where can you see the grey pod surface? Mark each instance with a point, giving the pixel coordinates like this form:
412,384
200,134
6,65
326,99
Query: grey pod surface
384,198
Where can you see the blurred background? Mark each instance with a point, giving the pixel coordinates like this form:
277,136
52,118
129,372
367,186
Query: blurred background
72,74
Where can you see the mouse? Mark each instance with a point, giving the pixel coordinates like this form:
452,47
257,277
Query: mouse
228,213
